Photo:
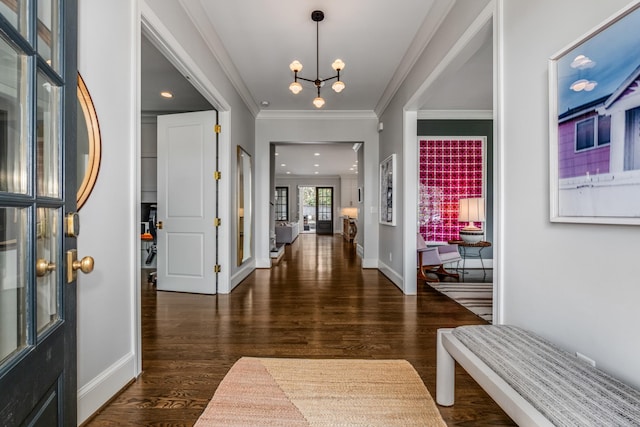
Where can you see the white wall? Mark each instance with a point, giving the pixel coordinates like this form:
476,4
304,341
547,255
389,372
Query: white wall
574,284
108,305
106,297
325,126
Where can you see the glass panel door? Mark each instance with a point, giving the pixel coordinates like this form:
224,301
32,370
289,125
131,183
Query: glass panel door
324,210
38,100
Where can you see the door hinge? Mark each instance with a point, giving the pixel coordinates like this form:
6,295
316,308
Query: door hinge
217,128
217,222
217,175
217,268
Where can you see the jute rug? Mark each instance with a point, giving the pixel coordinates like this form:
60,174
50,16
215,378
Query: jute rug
321,392
477,297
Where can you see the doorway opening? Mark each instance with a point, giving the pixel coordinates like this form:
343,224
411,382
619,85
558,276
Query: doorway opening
307,209
316,209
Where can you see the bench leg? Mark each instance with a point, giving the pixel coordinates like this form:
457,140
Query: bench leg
445,372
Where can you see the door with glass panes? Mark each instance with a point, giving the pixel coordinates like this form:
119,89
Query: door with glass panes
324,209
37,201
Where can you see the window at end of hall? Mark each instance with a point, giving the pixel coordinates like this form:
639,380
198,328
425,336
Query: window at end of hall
282,204
593,132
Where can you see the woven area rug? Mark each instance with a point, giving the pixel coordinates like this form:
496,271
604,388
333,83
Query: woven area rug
321,392
477,297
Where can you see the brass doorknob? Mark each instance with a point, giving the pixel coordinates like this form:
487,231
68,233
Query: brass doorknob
43,267
159,225
85,265
73,265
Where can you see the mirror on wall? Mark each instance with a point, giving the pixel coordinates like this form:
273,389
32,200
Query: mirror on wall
244,205
89,144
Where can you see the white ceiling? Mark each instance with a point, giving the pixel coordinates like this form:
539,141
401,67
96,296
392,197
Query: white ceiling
378,40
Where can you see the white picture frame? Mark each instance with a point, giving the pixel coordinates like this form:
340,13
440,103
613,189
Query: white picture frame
594,113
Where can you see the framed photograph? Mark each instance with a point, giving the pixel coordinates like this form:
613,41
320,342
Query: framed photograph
388,191
594,135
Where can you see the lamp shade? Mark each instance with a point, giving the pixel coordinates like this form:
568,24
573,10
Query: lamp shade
295,66
318,102
338,86
295,87
471,210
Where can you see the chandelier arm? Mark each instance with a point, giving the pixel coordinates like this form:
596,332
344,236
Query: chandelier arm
306,80
330,78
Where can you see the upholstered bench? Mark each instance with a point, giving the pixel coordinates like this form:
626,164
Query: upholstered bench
535,382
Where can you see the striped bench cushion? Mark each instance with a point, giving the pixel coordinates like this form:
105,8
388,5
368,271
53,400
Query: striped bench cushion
566,390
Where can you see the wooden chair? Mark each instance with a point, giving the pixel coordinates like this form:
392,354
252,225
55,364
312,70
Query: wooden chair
432,260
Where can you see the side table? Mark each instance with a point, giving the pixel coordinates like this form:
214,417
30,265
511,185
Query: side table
466,253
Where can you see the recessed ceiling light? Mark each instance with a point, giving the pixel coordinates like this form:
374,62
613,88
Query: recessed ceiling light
316,165
316,172
277,154
166,94
316,154
264,103
350,169
288,173
283,164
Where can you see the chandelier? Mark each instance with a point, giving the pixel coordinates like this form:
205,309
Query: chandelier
296,67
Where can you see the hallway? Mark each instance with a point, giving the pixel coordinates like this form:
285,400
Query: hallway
316,303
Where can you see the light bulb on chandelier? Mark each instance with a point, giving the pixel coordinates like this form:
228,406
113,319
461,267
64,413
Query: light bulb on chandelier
338,65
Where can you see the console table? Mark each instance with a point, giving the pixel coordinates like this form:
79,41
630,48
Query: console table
349,229
476,252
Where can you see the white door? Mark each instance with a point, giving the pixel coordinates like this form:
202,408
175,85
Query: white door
186,202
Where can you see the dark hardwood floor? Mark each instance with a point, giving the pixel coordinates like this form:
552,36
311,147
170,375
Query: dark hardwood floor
317,303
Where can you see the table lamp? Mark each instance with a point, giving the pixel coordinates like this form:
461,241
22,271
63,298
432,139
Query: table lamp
471,210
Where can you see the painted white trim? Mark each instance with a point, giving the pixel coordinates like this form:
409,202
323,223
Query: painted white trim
104,386
204,26
466,45
410,214
316,114
455,115
499,163
227,157
369,262
240,275
162,38
392,275
435,16
136,196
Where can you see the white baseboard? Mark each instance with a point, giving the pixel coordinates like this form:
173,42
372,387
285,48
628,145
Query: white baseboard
241,275
263,262
104,386
391,275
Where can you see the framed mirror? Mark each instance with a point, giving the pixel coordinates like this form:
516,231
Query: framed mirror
89,144
243,210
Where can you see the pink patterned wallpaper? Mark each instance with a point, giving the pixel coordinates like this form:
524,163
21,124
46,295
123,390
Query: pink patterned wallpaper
450,169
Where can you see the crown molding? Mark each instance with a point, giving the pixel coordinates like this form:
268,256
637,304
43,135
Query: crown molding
455,115
317,115
198,16
435,16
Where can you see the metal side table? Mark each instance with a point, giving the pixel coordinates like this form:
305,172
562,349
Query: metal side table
471,250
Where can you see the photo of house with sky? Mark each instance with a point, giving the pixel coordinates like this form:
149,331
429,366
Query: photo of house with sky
598,123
